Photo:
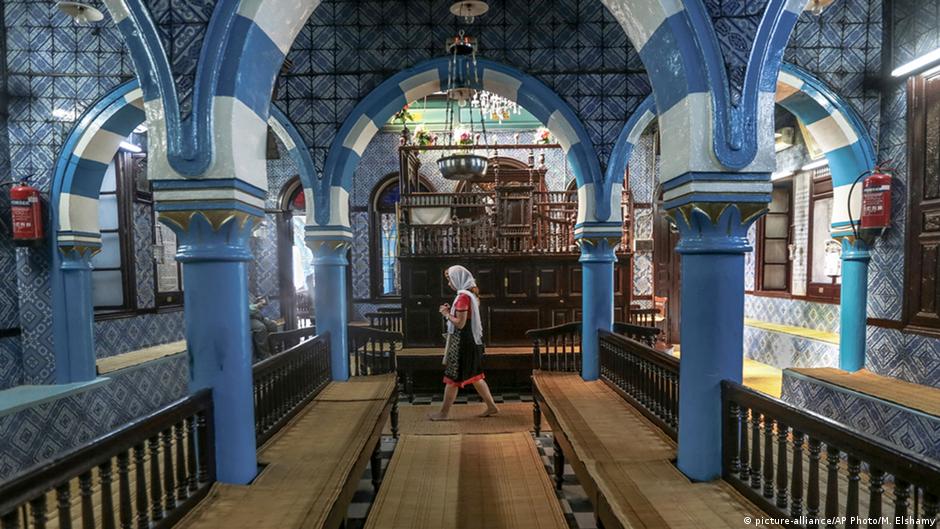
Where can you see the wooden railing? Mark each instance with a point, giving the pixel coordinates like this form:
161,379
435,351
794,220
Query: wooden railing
164,464
278,342
372,351
286,382
767,444
392,321
645,377
556,348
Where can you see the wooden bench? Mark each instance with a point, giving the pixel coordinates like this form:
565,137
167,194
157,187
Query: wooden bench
466,481
622,458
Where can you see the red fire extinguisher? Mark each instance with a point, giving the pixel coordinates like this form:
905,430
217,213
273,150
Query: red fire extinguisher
876,201
26,208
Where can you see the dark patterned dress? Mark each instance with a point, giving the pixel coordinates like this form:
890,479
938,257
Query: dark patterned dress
470,367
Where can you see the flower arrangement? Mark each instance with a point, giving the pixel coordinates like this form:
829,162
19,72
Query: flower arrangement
543,136
403,115
463,137
424,137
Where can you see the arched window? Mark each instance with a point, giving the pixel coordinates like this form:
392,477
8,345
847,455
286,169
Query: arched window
383,255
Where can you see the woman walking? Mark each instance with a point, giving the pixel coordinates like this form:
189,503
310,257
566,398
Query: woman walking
463,356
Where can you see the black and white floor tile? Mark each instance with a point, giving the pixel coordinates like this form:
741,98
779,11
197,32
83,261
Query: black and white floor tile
574,502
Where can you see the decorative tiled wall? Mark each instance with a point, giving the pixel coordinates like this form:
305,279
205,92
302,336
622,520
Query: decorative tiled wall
795,312
113,337
38,434
786,350
11,362
909,357
917,432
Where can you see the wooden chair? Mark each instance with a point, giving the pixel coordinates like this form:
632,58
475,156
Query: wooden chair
644,317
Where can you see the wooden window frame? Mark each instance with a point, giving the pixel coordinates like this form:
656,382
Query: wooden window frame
913,320
759,288
125,198
818,292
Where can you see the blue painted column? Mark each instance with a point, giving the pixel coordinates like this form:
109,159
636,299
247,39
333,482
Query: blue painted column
79,363
712,247
853,316
330,300
213,247
597,278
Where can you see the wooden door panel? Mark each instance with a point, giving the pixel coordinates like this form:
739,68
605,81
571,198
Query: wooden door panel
548,281
507,325
487,281
574,280
516,282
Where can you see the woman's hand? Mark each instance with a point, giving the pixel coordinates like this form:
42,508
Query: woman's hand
444,310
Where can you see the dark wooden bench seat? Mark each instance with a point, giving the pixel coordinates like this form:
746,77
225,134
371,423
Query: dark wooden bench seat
311,466
625,463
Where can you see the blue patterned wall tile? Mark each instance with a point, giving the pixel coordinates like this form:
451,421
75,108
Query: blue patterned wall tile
113,337
784,350
143,255
795,312
914,431
35,435
11,367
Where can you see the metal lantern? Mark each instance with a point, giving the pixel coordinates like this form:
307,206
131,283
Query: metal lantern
463,166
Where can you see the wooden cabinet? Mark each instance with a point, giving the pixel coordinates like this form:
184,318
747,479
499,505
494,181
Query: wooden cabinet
517,293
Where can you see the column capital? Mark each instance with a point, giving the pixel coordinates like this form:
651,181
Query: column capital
211,234
598,249
77,256
855,249
715,227
329,251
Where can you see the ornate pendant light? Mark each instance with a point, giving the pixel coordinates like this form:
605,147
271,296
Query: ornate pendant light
462,80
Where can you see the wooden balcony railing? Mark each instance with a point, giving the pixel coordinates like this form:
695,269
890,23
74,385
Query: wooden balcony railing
645,377
286,382
147,474
773,454
278,342
392,321
372,351
558,348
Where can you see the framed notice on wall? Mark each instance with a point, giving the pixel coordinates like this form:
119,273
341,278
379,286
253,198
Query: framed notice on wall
168,277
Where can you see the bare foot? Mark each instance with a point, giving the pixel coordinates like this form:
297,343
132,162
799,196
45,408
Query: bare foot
489,412
437,417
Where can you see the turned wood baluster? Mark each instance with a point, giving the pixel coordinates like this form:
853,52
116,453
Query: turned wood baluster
38,508
202,438
782,498
156,492
812,495
107,497
124,489
744,473
832,483
64,505
851,498
876,488
796,484
734,418
180,461
140,476
755,450
902,493
169,486
88,513
930,508
768,457
191,454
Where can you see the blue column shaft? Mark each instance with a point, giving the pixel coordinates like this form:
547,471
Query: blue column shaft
79,366
220,356
331,312
854,305
597,312
712,328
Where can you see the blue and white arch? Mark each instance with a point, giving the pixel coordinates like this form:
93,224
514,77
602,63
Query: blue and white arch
79,172
332,213
840,134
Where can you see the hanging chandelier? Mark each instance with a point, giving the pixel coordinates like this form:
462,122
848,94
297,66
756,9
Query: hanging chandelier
463,77
494,106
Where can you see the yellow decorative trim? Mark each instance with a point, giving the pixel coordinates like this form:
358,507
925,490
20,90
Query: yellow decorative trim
802,332
81,249
215,218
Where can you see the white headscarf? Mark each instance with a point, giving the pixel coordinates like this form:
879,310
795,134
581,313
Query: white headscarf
463,281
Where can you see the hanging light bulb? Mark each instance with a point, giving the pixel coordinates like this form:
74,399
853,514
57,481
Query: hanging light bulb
468,10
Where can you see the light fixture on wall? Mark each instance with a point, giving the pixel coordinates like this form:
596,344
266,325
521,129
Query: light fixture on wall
816,7
80,13
468,10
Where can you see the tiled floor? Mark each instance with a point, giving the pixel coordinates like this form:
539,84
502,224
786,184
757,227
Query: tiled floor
574,502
